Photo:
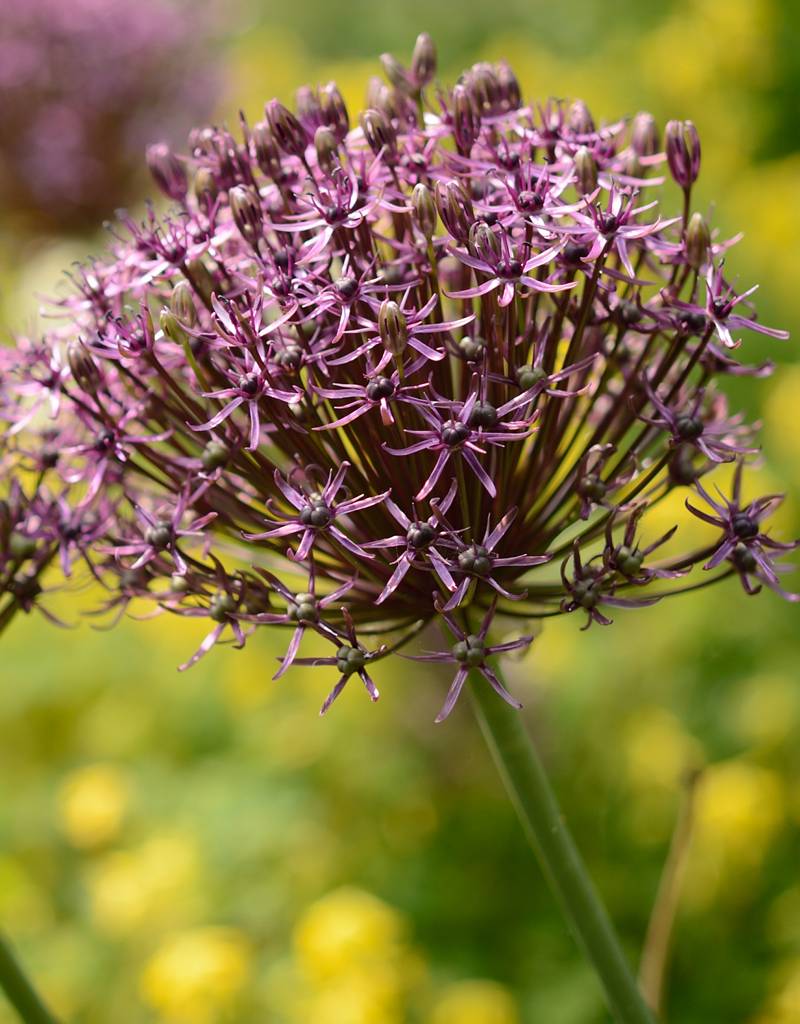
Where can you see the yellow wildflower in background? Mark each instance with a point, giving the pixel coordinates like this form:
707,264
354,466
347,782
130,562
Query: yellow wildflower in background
156,883
92,802
475,1002
196,976
740,808
354,957
347,929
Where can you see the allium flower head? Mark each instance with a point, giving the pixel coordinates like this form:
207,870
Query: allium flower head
428,367
84,86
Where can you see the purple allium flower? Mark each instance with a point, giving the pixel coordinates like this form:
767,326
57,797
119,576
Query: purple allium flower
84,86
433,370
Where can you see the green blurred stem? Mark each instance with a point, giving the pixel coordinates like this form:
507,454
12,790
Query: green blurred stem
19,991
527,784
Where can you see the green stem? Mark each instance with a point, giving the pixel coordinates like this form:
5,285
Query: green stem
19,991
543,823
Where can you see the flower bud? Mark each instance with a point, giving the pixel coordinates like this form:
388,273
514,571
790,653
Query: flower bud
82,366
424,209
483,86
378,132
484,242
214,455
698,241
168,171
247,213
579,118
287,131
395,72
455,209
182,304
205,187
376,88
466,121
309,110
585,171
21,546
644,134
423,60
392,327
509,87
683,152
265,150
326,148
334,111
171,326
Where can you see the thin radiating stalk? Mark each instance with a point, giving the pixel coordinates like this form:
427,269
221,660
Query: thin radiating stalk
18,989
530,791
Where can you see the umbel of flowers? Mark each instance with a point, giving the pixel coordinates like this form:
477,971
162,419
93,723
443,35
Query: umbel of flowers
431,365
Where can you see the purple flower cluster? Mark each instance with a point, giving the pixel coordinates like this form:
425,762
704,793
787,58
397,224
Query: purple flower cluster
84,86
431,368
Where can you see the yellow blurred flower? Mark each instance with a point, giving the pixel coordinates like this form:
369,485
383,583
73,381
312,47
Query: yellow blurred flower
353,956
657,749
373,996
739,809
766,711
92,802
475,1002
156,883
195,976
347,929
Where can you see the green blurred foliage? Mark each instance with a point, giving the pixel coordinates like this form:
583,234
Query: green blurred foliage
202,848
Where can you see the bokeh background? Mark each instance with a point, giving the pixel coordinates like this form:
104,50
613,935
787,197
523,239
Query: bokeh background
200,848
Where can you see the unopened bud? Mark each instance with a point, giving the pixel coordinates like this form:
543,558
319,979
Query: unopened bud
698,241
247,213
326,148
214,455
265,150
644,134
392,327
171,326
509,86
309,110
378,132
395,72
579,118
466,120
376,88
334,111
484,87
205,187
168,171
484,242
585,171
82,366
21,546
423,60
287,131
455,209
182,304
424,210
683,152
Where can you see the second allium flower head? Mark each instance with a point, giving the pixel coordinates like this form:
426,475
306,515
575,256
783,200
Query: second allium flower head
434,367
